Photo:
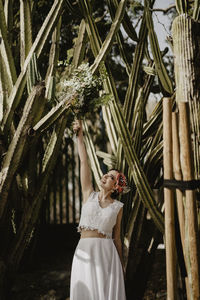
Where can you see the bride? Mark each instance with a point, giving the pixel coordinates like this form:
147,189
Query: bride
97,267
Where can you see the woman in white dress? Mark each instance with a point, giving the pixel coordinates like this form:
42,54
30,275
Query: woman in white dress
97,267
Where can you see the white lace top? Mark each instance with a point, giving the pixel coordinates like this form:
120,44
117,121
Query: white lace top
94,217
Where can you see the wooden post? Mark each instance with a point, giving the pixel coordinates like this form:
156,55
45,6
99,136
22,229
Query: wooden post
178,175
179,193
192,239
169,202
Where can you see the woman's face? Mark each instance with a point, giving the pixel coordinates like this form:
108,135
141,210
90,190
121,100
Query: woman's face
109,180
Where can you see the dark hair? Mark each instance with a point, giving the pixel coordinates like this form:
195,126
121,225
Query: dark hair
114,194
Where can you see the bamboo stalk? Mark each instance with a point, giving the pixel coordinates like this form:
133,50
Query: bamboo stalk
192,242
169,201
179,194
178,175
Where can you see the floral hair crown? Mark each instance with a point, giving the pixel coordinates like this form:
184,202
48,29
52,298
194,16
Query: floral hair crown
122,186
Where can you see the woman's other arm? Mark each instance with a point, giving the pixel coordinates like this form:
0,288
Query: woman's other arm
117,236
86,178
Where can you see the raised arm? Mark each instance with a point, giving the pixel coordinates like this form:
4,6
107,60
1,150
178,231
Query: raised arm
86,178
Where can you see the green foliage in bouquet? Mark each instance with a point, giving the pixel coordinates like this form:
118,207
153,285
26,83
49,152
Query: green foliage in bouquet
83,87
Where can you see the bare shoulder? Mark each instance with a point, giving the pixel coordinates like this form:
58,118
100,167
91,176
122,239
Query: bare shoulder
119,203
118,206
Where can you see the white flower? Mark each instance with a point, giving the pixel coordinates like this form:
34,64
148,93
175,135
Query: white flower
81,83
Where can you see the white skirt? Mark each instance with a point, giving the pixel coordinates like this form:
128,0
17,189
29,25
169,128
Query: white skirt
96,271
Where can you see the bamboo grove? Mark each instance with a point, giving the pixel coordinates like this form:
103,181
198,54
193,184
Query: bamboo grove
33,122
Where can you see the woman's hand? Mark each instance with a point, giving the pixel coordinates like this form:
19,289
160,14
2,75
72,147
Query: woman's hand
77,127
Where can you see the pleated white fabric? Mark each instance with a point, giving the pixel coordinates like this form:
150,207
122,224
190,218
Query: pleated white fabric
96,271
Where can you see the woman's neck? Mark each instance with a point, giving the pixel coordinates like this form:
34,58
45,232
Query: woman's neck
105,195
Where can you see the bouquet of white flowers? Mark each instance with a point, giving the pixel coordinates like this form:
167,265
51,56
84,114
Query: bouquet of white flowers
83,87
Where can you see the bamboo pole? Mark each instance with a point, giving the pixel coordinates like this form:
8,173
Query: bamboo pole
192,239
178,175
169,202
179,194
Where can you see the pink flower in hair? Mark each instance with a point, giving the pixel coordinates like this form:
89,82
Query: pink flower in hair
121,182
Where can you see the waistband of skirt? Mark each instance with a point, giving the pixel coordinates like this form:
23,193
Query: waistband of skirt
96,238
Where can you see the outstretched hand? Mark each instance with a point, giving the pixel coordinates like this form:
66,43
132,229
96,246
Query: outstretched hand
77,127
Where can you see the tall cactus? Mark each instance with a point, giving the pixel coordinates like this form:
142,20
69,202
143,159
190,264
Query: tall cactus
19,145
13,156
186,41
29,218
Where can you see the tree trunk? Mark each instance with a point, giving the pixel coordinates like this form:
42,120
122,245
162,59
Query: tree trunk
169,202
